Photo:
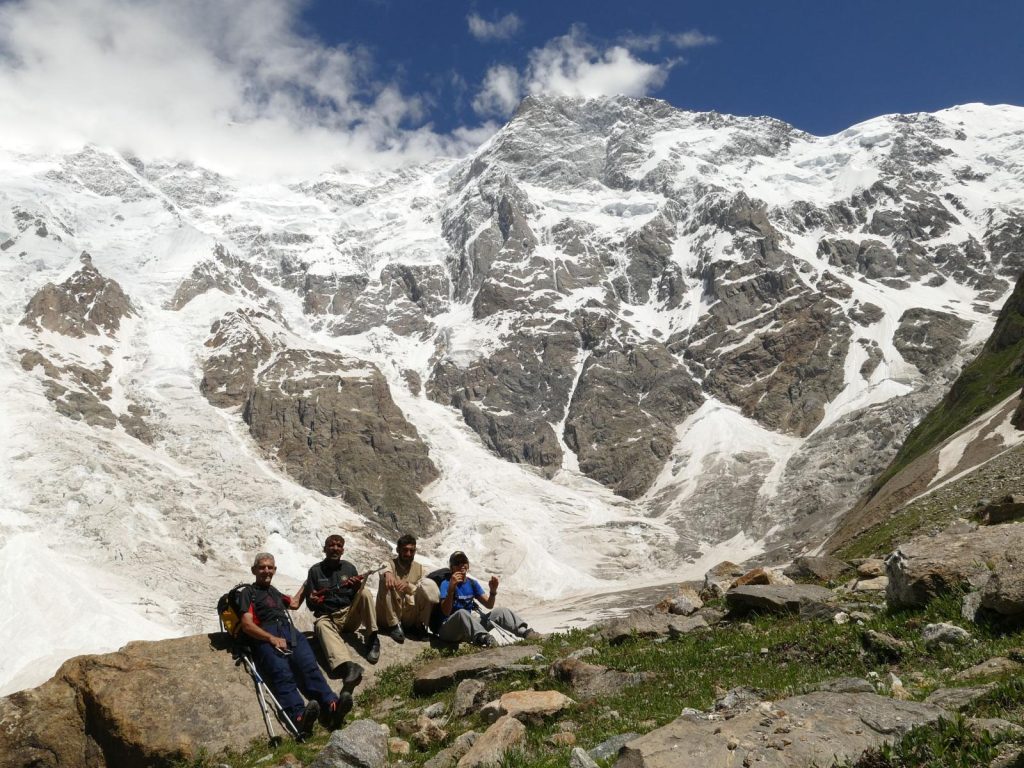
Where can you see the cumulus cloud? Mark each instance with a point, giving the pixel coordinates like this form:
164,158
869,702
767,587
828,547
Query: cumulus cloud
500,93
231,85
571,66
502,29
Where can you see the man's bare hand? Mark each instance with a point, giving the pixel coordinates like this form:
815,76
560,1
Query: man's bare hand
493,584
316,597
353,581
458,577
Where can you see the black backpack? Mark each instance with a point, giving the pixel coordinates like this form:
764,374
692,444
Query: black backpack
229,612
440,575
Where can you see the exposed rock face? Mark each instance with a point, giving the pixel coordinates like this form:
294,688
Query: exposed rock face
222,272
820,729
89,309
924,337
444,673
328,420
985,560
112,710
85,303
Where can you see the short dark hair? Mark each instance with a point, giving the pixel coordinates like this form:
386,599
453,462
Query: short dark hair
405,540
458,558
334,537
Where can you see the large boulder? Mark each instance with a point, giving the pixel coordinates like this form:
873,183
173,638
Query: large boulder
954,561
816,729
444,673
148,704
772,598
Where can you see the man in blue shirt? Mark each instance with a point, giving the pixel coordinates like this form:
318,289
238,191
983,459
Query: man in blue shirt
460,621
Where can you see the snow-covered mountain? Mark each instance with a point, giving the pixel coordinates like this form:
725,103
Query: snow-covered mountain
618,343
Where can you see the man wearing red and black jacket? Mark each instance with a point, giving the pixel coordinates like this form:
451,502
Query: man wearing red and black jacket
283,656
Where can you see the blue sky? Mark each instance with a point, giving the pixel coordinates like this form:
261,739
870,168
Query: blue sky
294,86
820,65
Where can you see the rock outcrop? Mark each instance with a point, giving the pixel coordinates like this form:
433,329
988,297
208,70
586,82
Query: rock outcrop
328,420
814,729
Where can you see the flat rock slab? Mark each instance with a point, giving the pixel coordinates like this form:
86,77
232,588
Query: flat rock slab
363,744
648,622
444,673
817,729
776,598
955,699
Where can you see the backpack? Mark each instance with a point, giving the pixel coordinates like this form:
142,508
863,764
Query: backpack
440,575
228,611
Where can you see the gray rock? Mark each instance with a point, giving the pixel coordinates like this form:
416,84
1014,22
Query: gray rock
435,710
955,699
610,747
824,568
871,568
770,598
884,646
994,667
450,756
578,758
995,726
847,685
446,672
935,635
593,680
362,744
496,742
468,696
647,622
814,729
929,566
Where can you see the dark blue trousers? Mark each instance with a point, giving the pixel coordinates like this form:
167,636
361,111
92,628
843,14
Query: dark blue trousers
287,675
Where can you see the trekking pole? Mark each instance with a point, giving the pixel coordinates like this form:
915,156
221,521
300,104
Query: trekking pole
262,692
505,636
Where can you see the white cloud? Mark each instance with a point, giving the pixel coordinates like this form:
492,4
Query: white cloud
229,84
502,29
692,38
571,66
500,93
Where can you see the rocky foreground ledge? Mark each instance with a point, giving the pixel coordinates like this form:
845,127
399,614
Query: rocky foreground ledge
167,702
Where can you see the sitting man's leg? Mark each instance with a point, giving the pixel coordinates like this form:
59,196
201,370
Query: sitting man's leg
427,595
277,674
508,619
361,613
463,626
314,687
327,630
391,607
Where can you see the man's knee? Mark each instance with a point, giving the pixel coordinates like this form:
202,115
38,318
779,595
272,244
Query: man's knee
428,591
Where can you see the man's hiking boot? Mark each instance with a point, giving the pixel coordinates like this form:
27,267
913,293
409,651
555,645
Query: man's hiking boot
417,632
395,633
483,640
373,650
333,716
351,675
306,722
531,634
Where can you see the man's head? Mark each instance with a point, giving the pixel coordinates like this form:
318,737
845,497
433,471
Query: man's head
334,546
263,568
406,548
458,561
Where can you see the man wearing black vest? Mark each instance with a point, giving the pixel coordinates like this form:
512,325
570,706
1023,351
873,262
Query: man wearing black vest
335,593
284,657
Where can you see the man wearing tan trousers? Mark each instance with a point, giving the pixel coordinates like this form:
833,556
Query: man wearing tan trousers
335,593
405,596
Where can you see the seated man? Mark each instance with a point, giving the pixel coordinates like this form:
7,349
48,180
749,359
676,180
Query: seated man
284,657
405,597
334,592
458,622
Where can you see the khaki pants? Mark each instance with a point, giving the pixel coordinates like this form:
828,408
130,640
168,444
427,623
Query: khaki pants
394,607
328,628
